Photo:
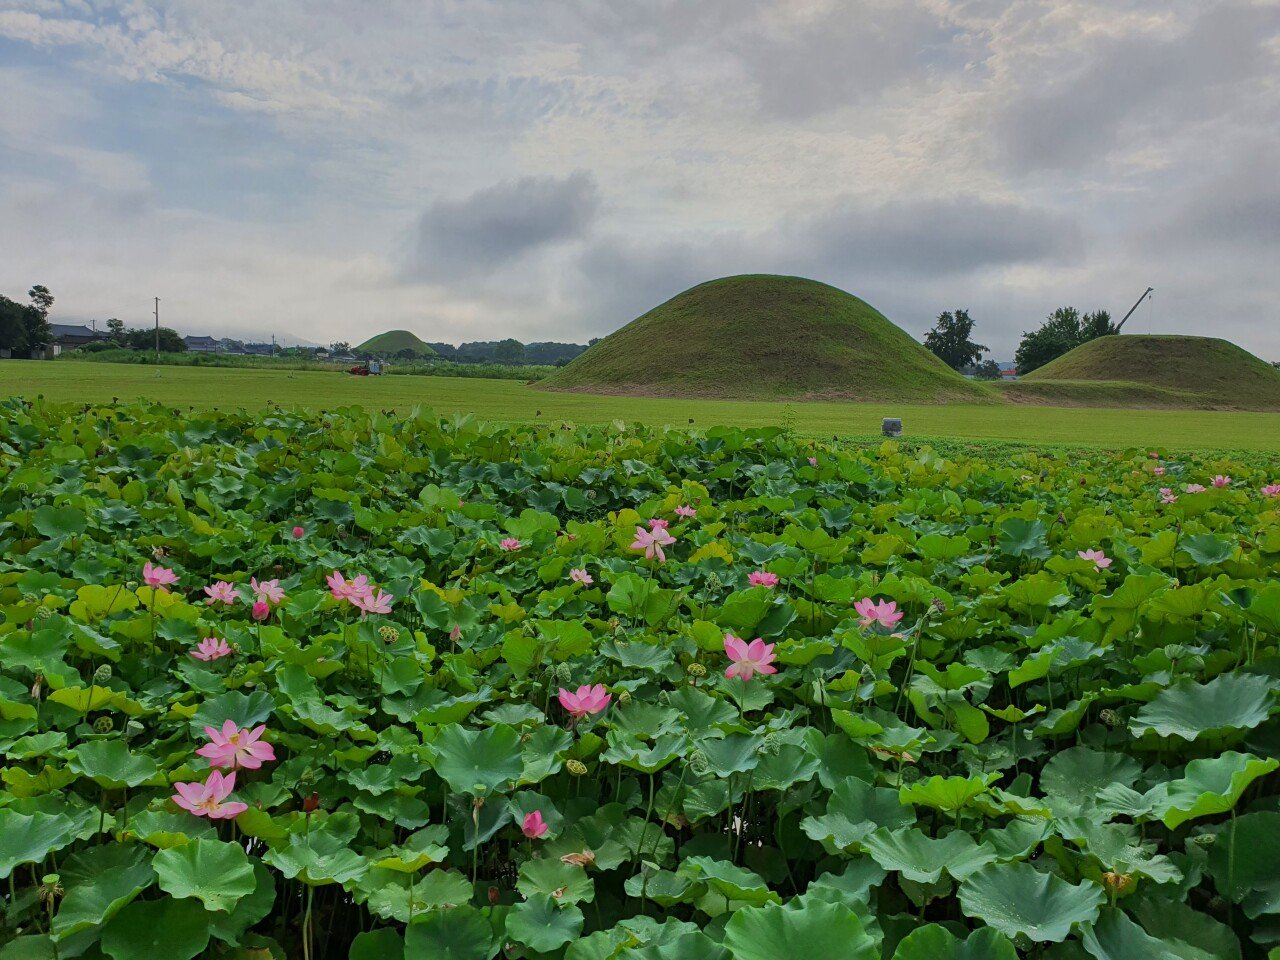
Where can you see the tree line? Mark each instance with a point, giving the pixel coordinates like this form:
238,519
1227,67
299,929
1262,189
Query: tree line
951,340
24,327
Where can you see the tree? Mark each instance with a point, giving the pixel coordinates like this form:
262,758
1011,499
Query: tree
115,330
144,338
509,351
13,328
1062,331
987,370
41,298
36,317
950,341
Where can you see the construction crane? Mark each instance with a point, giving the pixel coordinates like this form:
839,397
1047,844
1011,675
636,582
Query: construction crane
1146,293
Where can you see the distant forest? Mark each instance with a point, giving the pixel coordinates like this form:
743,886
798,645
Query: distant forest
500,351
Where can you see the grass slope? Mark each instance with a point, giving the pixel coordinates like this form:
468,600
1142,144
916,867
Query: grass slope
765,337
202,388
393,341
1151,370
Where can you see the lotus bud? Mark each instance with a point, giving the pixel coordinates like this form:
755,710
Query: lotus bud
696,670
493,896
104,725
576,767
624,696
102,674
37,688
311,803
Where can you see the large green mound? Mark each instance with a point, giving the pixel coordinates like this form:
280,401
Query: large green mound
765,337
393,341
1172,370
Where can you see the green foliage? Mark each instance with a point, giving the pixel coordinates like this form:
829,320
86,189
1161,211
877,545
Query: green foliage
1063,331
1041,755
951,341
144,338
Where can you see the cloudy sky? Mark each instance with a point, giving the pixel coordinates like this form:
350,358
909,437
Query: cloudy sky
474,169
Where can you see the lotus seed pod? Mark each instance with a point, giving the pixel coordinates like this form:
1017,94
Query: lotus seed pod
132,729
1109,717
910,774
624,696
30,598
389,634
104,725
576,767
43,613
699,762
696,670
102,674
1205,839
769,744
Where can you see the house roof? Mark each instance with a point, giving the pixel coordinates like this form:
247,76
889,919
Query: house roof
61,330
204,340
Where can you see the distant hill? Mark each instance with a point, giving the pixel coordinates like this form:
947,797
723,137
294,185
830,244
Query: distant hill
1147,370
392,342
766,337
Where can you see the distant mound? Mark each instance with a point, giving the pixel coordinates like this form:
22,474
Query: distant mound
764,337
393,342
1157,371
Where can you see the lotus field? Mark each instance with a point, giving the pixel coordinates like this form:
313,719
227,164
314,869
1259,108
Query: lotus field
348,685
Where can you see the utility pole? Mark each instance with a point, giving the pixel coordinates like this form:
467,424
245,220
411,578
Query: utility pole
157,329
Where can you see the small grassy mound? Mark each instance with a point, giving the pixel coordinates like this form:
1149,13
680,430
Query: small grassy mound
1147,370
393,341
766,337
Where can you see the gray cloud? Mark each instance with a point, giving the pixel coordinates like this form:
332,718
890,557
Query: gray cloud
499,224
1140,89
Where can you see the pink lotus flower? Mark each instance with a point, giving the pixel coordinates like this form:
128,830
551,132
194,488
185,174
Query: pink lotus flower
534,826
587,700
1159,471
509,544
1271,490
1100,559
206,799
813,461
159,577
223,592
886,613
748,658
268,590
1167,495
299,532
685,511
657,523
762,578
211,648
652,542
581,576
371,602
261,610
1153,455
1221,481
1194,488
349,590
236,748
456,633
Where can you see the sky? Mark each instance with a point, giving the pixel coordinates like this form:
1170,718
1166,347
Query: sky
479,169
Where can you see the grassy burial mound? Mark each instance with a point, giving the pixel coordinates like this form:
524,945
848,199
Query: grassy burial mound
392,342
1157,371
765,337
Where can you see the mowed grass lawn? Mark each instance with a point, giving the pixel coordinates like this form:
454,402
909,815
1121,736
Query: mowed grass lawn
511,401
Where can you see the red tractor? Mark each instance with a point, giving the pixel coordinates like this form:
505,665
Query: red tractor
372,368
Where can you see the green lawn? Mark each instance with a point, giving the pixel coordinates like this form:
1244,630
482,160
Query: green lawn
505,400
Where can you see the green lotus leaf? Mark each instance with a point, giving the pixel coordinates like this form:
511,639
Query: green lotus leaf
462,933
1206,549
88,904
1190,710
948,794
215,873
149,929
29,839
1209,787
110,764
664,887
1245,862
1024,538
728,881
936,942
57,522
249,909
95,602
1189,934
688,946
1116,937
921,858
1073,778
569,883
402,897
382,944
855,809
317,858
92,698
1017,899
542,924
820,930
472,761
